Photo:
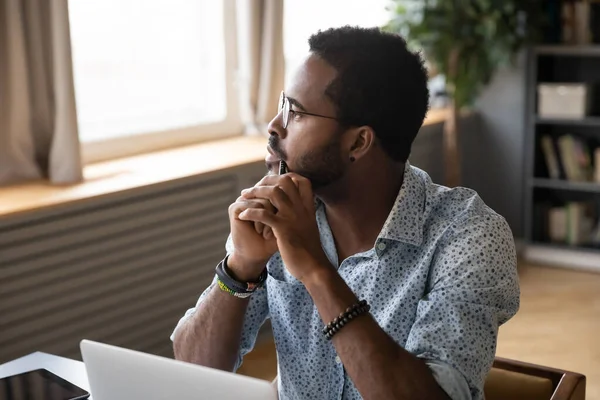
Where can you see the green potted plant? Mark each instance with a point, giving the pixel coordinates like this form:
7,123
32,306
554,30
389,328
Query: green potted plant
466,41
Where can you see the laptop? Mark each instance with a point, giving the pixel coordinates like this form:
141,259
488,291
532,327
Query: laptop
115,373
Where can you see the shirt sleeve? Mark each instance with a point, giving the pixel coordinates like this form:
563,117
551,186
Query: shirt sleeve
473,289
256,315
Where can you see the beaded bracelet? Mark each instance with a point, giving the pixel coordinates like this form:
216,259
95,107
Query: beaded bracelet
351,312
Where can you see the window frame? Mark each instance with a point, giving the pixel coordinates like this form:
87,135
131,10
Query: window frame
232,125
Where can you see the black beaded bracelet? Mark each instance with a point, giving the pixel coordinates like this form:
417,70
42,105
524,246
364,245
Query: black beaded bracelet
351,312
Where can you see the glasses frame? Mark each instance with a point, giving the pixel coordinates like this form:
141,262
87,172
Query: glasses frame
286,107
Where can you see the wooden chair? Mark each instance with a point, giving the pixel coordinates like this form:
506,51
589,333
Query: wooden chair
517,380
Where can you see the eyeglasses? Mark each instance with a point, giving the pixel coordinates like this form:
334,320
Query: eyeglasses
285,106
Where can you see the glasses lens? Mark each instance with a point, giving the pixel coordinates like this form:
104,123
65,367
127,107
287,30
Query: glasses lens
286,112
280,105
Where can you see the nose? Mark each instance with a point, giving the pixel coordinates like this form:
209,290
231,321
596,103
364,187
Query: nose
275,127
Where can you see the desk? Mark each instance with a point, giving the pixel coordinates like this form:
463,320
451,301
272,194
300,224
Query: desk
70,370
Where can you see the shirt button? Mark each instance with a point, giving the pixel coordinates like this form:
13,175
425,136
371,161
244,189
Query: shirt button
338,360
381,246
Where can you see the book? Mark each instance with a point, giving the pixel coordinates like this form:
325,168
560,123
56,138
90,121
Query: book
574,220
550,157
580,223
582,31
557,222
567,150
583,159
568,22
576,224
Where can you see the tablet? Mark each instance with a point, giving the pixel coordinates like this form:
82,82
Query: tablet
40,384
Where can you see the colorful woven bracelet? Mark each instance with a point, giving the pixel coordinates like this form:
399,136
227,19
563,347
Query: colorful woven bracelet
232,292
238,289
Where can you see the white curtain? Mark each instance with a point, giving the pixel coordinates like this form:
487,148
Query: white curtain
38,123
261,61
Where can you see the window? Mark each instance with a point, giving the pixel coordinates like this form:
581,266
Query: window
152,74
303,18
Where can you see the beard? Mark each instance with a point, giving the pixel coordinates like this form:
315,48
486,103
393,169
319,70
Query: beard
322,166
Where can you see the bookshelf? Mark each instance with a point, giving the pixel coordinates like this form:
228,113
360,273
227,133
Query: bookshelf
562,198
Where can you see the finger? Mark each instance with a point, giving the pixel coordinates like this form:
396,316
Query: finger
268,180
284,183
259,228
305,190
274,194
272,180
265,202
239,206
259,215
287,184
267,232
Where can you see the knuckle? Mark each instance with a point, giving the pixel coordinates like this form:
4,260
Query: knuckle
263,181
286,180
232,207
266,204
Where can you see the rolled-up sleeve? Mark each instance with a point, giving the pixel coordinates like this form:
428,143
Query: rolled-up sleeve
473,289
256,315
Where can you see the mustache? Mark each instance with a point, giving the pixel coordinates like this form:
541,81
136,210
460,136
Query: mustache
275,145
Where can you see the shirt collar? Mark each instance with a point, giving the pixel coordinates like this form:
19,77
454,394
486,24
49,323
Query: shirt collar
405,221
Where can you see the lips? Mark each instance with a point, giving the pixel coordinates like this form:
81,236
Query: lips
271,156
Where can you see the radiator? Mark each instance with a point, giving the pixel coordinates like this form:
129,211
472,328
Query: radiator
119,269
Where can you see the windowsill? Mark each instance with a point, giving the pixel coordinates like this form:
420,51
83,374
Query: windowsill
109,177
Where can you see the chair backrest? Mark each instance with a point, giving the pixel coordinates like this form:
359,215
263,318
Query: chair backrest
517,380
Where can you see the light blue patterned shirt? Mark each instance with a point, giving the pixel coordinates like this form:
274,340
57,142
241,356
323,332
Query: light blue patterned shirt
440,279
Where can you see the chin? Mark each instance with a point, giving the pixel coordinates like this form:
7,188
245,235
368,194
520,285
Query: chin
272,168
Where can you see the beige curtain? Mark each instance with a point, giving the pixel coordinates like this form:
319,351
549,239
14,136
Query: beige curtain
38,124
261,66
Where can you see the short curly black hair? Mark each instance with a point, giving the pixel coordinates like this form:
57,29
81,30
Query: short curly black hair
380,83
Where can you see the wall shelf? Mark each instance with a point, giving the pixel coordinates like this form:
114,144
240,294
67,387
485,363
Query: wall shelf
588,121
564,246
563,50
561,184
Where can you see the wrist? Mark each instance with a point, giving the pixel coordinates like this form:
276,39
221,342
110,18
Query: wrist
244,271
317,273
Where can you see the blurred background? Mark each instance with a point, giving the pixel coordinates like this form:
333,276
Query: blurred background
127,127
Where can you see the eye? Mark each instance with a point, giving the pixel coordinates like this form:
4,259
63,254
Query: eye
296,115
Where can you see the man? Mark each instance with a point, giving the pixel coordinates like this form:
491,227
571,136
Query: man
354,221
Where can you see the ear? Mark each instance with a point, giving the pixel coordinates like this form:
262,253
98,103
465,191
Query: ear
359,141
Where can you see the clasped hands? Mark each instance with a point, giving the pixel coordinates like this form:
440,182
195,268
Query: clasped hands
291,220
